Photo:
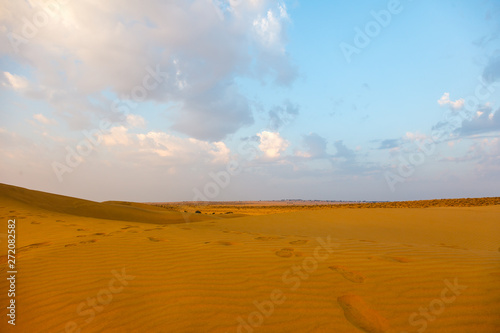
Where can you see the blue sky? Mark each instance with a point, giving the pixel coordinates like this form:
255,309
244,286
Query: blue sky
251,100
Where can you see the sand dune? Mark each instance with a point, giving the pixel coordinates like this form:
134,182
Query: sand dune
112,210
124,267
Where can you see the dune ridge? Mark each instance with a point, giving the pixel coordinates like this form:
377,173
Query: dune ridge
112,210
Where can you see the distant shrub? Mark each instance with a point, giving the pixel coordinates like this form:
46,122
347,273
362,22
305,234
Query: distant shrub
198,212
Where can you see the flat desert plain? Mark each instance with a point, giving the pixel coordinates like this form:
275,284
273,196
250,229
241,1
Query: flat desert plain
82,266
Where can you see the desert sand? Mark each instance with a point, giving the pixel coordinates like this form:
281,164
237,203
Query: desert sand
127,267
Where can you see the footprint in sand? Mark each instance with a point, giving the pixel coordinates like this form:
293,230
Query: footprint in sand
299,242
348,274
34,246
60,221
82,229
155,239
35,222
267,238
225,243
399,259
452,246
31,246
358,313
285,252
68,245
88,241
100,234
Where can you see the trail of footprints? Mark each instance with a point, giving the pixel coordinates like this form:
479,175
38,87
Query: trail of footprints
21,250
352,276
127,228
286,252
356,310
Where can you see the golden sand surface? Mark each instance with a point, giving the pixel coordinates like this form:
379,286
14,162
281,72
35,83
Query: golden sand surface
128,267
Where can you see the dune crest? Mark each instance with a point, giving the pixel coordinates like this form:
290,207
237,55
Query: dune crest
112,210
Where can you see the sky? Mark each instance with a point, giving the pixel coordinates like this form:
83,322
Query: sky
251,99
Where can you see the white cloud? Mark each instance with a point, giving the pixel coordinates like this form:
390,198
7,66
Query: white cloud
118,136
270,28
165,148
90,46
455,105
15,82
136,121
410,136
25,87
44,120
182,151
272,144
